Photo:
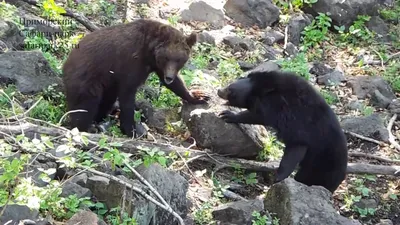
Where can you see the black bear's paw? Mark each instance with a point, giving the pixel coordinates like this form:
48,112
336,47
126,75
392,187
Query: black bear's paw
199,97
228,116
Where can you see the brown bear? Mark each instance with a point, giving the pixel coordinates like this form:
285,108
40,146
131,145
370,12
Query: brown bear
114,62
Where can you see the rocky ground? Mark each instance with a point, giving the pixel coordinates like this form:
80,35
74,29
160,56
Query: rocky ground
207,171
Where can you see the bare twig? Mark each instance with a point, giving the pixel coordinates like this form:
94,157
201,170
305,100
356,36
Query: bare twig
379,55
138,190
365,138
185,162
69,112
286,38
382,62
360,154
26,112
392,139
167,206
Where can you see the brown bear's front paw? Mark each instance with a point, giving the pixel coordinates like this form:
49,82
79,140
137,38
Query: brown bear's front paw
199,97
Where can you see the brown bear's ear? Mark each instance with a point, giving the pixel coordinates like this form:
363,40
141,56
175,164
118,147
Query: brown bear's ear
191,39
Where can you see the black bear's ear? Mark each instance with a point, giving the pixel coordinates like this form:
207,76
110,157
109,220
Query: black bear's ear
191,39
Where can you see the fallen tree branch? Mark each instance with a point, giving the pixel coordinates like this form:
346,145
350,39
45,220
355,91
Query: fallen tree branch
134,146
365,138
360,154
382,62
392,139
69,13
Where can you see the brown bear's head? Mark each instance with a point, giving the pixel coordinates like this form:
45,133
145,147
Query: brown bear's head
173,53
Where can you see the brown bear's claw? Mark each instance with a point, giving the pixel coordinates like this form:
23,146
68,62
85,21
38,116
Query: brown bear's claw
200,97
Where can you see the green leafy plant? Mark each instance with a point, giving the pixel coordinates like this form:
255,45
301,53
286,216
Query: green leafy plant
47,111
203,216
316,32
173,19
329,97
8,12
50,9
392,75
115,217
391,14
153,155
297,64
108,11
263,220
272,148
240,177
358,31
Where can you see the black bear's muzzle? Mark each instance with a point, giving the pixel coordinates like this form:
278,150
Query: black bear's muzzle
223,93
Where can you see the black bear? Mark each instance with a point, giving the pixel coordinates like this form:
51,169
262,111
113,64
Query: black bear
303,121
114,62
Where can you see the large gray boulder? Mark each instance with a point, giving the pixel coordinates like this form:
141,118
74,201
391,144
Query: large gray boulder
210,131
262,13
344,12
29,70
295,203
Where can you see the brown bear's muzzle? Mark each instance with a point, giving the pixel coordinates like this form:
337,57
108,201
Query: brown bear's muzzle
169,78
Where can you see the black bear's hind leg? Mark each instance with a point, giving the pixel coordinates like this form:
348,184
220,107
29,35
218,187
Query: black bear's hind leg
292,156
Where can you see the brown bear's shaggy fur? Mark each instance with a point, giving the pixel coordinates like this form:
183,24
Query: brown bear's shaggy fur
114,61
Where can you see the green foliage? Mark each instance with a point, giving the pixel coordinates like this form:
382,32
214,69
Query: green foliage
367,110
8,12
392,75
6,97
228,69
173,20
263,220
50,9
297,64
357,32
117,218
45,199
391,14
203,216
240,177
47,111
153,155
361,192
329,97
272,148
108,10
316,32
297,5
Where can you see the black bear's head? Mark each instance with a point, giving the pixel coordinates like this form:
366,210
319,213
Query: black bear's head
237,94
172,54
247,90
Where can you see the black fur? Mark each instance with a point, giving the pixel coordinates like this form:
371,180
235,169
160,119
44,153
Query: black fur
304,122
